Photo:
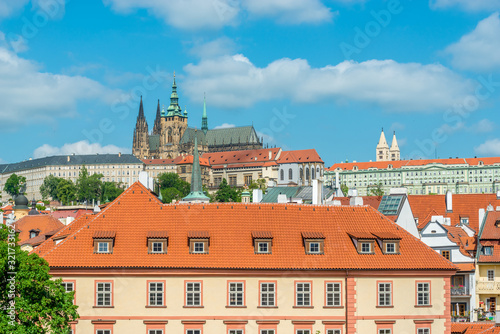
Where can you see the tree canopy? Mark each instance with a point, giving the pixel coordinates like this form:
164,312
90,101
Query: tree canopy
48,189
377,191
66,191
88,188
30,300
226,193
110,191
14,184
172,187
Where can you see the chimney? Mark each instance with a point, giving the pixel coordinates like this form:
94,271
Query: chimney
317,190
449,202
498,194
481,218
68,158
270,155
357,200
257,196
338,193
119,154
282,198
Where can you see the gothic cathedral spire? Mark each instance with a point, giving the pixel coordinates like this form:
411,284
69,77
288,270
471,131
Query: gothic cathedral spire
394,150
204,118
382,148
141,137
157,125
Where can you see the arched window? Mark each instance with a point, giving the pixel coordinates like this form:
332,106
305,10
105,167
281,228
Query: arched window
282,175
301,173
313,173
169,137
290,174
317,172
307,173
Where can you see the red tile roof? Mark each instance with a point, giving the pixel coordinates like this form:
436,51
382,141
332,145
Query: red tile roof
474,328
313,235
491,229
386,236
262,235
470,266
409,163
104,234
297,156
70,213
464,205
157,235
241,157
188,160
373,201
136,211
44,223
162,161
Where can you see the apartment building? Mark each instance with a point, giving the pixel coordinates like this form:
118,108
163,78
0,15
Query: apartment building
120,168
420,177
140,266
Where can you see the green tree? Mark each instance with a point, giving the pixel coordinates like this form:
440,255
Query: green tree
110,191
258,184
172,187
377,191
30,300
66,191
48,189
14,184
226,193
88,188
345,189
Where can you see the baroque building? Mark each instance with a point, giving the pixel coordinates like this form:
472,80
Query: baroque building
172,137
384,153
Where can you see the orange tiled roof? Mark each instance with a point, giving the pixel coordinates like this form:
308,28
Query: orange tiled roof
373,201
491,229
70,213
457,235
162,161
313,235
43,223
262,235
230,225
474,328
157,235
189,160
469,266
464,205
297,156
240,157
409,163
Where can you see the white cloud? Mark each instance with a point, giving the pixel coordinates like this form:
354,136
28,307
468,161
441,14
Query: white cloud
396,126
483,126
233,81
489,147
225,126
81,147
215,14
290,11
218,47
467,5
185,14
8,7
479,49
30,95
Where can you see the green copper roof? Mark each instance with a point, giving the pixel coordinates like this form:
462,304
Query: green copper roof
174,109
196,193
204,118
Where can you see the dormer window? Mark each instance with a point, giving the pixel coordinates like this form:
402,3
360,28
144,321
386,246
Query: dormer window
487,250
364,242
366,247
388,242
157,242
314,242
262,242
464,220
104,242
391,247
198,242
34,233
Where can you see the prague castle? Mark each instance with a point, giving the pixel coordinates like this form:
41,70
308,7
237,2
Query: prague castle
172,137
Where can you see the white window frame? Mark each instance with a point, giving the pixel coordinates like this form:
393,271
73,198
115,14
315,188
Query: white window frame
155,331
315,251
333,292
197,243
384,297
267,298
267,331
333,331
104,293
158,295
423,331
103,331
236,294
385,331
303,294
491,278
193,290
104,249
193,331
235,331
361,250
423,295
303,331
393,244
260,249
155,243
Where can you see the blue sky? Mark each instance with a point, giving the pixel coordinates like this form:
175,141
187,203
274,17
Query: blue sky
323,74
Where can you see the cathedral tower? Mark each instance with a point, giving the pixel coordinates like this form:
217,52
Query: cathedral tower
204,118
394,150
140,147
382,148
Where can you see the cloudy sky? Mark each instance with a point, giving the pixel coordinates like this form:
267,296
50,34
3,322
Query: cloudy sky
323,74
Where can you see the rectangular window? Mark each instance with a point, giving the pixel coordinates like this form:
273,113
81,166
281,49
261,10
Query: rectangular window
333,294
303,294
267,294
423,293
199,247
314,247
365,247
491,275
391,248
303,331
384,294
235,331
103,294
267,331
236,294
445,254
333,331
193,294
156,294
103,247
424,331
103,331
385,331
263,247
193,331
155,331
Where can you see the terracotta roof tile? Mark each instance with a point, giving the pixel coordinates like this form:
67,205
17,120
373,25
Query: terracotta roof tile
262,235
43,223
386,235
157,235
361,235
188,160
198,235
242,157
104,234
313,235
297,156
474,328
470,266
491,230
136,211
